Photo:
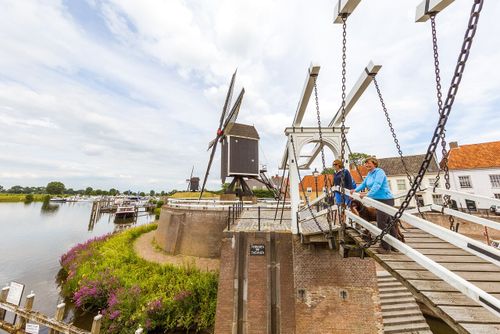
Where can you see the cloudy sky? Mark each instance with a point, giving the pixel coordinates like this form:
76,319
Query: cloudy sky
127,93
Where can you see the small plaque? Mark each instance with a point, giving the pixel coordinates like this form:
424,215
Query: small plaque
32,329
258,249
15,293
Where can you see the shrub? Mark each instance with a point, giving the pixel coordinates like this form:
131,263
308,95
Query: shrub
105,274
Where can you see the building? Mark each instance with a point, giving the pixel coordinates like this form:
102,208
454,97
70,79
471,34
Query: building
475,169
313,186
398,181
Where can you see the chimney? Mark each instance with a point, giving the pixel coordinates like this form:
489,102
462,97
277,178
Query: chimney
453,144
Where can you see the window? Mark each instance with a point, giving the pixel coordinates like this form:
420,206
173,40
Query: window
309,189
464,181
401,184
420,200
471,205
437,199
432,182
497,196
495,181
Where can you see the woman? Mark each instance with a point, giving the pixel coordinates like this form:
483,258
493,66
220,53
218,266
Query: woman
337,180
378,189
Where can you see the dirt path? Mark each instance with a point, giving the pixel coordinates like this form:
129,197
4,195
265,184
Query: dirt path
145,249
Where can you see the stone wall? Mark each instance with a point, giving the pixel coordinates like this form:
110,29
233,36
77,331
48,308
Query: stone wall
191,232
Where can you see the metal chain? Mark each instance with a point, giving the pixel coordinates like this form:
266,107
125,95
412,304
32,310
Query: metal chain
318,116
342,126
327,235
439,95
443,117
391,127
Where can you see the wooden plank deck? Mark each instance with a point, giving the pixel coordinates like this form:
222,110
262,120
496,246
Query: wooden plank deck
460,312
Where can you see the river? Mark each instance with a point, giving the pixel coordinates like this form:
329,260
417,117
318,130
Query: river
32,239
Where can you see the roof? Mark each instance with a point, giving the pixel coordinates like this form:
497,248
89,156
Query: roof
483,155
394,166
242,130
309,181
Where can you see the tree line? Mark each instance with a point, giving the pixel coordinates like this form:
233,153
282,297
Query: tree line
58,188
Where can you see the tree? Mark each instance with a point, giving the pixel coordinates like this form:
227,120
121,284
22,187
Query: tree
113,192
1,189
328,171
152,193
358,158
88,191
142,194
55,188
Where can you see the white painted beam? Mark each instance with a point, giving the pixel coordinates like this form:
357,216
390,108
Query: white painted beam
468,217
312,73
430,6
344,8
482,201
489,302
357,90
472,246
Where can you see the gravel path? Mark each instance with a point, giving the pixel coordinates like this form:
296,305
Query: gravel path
144,248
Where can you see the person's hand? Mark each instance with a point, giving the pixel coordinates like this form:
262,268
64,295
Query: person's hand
362,195
352,191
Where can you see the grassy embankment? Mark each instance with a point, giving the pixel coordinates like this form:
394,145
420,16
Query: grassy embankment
105,274
20,197
188,194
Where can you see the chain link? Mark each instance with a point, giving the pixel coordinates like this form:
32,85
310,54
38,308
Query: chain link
443,118
341,207
439,95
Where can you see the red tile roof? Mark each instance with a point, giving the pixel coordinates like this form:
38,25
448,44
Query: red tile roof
483,155
355,174
309,182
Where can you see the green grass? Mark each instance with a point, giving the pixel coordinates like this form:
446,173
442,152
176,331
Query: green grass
20,197
107,275
188,194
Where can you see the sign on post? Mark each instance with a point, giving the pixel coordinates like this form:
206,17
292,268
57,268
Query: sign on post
32,329
15,293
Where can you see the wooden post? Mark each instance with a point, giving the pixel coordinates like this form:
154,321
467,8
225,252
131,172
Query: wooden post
30,299
59,316
96,324
3,298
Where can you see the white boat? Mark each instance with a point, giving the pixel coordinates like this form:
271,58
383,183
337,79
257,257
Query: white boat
126,210
58,199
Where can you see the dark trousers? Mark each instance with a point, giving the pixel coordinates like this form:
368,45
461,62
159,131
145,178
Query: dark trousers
383,219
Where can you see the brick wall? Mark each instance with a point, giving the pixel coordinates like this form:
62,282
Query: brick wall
333,294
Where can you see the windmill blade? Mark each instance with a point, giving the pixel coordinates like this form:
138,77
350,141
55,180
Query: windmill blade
212,142
190,178
234,112
208,168
227,103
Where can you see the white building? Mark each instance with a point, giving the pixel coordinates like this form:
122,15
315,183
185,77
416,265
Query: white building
475,169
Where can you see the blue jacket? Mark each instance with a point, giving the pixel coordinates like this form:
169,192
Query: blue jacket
376,183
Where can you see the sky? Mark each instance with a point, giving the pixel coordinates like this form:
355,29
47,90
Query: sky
127,94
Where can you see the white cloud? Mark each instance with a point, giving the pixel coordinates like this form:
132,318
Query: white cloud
137,103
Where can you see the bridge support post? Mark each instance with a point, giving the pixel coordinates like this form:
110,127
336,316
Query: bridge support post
96,324
30,299
58,316
3,298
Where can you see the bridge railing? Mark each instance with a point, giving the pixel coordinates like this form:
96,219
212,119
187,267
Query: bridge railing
470,245
488,301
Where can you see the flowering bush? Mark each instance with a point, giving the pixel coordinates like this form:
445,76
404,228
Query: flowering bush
104,274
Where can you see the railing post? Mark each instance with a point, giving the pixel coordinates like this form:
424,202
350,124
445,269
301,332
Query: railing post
30,299
59,316
96,324
258,216
3,298
229,218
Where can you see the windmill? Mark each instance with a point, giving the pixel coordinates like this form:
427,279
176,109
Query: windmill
240,143
193,183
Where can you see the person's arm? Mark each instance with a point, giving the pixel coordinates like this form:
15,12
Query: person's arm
377,182
361,186
347,179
